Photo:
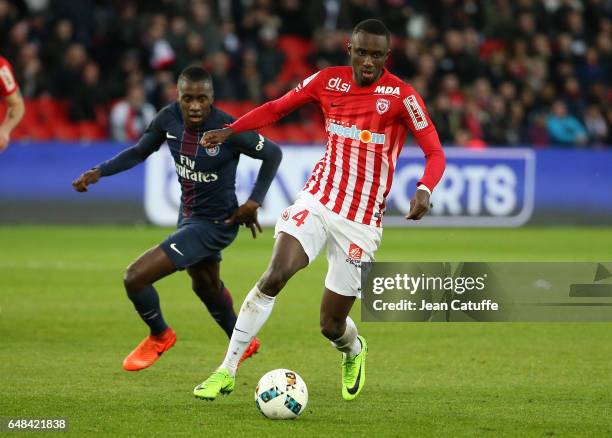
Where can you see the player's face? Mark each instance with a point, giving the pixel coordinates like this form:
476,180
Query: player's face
195,99
368,54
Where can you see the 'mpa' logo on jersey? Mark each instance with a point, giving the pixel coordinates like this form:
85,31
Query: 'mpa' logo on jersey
381,89
355,133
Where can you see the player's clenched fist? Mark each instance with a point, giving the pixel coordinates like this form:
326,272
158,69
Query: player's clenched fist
419,205
90,177
214,137
246,214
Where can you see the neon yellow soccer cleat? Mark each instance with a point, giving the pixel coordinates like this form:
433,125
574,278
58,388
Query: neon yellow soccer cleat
220,382
353,372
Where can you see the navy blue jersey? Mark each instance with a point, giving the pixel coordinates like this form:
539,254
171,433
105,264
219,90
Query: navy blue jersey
207,176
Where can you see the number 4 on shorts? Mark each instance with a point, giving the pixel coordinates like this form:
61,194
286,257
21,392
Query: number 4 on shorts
300,217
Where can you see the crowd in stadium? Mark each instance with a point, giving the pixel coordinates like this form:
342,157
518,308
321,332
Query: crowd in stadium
492,72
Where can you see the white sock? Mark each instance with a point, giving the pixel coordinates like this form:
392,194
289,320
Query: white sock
348,343
254,312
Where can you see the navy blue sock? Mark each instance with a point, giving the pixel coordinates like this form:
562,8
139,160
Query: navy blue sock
146,302
221,308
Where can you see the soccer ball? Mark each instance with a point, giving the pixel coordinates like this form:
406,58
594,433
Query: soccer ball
281,395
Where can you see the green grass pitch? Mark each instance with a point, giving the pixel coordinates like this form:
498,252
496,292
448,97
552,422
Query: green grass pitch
66,324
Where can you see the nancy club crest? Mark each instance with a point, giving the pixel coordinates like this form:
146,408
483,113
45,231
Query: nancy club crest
382,106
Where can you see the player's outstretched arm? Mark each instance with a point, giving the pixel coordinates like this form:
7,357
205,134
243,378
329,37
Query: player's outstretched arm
122,161
150,141
420,124
265,114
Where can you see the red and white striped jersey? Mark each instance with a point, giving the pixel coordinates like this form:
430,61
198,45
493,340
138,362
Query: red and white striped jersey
366,128
8,84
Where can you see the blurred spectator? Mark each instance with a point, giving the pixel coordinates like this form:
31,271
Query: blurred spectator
537,133
177,37
596,126
161,52
203,24
86,95
161,90
69,71
328,50
55,46
8,17
130,117
497,123
270,59
252,84
442,117
458,59
465,139
218,64
354,11
293,18
30,72
565,129
127,68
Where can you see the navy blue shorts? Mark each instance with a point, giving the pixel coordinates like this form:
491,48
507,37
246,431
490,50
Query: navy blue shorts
198,240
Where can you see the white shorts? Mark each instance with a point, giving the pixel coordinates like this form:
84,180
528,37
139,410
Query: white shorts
349,243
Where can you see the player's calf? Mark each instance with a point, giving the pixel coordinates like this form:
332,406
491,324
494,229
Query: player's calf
219,303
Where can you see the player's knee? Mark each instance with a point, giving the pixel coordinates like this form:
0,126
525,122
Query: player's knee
132,279
273,281
206,287
331,328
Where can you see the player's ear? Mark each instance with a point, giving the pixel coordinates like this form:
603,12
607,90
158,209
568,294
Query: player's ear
348,49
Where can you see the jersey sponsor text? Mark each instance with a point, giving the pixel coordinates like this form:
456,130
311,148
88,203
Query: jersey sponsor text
354,133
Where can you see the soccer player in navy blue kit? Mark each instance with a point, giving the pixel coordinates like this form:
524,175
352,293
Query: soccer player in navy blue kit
209,216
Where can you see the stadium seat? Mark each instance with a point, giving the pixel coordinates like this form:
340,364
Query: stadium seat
65,131
91,131
52,110
230,107
274,133
295,68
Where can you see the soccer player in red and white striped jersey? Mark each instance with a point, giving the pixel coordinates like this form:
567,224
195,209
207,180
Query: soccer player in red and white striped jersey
9,91
368,114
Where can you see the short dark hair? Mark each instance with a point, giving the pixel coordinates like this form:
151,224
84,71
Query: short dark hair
373,26
195,73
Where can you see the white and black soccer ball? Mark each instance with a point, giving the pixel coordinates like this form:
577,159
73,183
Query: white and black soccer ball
281,395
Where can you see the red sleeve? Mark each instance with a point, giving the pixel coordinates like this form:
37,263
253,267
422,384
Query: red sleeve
8,84
415,113
270,112
435,161
416,117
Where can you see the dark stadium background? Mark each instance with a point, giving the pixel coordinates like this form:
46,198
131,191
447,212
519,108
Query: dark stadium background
495,74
